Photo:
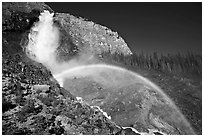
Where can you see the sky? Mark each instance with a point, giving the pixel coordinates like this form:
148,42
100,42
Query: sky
146,27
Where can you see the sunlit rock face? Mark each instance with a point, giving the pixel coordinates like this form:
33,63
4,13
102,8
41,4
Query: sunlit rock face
85,35
128,98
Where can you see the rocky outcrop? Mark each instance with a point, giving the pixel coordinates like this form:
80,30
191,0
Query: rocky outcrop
79,34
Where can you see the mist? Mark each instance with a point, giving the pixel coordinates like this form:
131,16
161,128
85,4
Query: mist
43,40
43,43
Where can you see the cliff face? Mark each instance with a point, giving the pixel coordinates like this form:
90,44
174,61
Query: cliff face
32,100
80,34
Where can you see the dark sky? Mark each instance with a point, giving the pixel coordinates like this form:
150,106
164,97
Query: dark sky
148,27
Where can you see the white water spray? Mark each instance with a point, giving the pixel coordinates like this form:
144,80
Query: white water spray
43,40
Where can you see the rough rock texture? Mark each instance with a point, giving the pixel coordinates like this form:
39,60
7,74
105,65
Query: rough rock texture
88,36
20,16
32,100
